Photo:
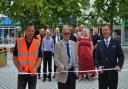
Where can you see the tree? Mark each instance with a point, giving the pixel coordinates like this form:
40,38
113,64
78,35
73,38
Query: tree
110,11
41,11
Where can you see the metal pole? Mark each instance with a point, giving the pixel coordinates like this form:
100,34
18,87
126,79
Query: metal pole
122,31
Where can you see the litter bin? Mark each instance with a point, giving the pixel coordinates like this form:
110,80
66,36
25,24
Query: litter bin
3,56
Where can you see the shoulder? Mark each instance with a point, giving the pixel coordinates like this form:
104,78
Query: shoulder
115,41
72,43
53,35
100,42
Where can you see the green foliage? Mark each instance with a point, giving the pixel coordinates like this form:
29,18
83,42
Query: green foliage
110,11
41,11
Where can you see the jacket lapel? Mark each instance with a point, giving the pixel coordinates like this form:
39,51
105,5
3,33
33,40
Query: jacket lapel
63,48
110,44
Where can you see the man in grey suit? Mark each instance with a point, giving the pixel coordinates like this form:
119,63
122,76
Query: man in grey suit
66,59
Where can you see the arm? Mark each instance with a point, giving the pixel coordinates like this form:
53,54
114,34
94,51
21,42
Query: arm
16,63
97,57
76,56
57,57
120,55
91,47
53,46
38,63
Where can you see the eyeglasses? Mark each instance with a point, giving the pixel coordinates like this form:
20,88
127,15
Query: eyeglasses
66,33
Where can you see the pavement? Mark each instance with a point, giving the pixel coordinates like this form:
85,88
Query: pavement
8,77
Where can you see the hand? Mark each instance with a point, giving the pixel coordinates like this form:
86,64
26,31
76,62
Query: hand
34,72
117,68
20,69
100,70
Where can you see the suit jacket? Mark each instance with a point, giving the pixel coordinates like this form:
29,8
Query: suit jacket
109,57
61,60
54,38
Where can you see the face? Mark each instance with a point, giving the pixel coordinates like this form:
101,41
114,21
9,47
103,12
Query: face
66,35
95,31
57,30
81,27
76,30
42,32
47,34
106,31
30,32
84,33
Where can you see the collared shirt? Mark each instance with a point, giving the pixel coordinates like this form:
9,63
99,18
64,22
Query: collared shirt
71,62
57,38
107,40
48,44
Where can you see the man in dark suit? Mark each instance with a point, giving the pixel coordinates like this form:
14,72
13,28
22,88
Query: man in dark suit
109,54
56,38
73,37
95,39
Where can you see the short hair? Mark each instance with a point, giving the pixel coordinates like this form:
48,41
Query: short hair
106,24
29,24
66,27
42,29
47,31
95,27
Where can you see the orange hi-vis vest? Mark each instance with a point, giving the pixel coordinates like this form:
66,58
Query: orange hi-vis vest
39,39
27,57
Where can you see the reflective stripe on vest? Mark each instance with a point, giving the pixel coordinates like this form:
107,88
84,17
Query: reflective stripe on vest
27,62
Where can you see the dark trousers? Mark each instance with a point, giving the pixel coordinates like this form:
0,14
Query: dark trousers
71,81
94,51
54,68
47,59
24,79
39,71
105,82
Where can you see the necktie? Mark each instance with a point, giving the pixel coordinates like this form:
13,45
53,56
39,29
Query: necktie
58,38
68,50
106,43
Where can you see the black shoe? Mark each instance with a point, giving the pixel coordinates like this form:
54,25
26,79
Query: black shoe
49,80
44,79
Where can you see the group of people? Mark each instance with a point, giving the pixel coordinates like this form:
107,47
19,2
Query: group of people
72,50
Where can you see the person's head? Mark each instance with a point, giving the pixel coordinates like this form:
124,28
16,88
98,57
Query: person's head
57,31
84,33
82,27
29,31
42,31
47,33
106,31
95,30
72,30
76,29
66,32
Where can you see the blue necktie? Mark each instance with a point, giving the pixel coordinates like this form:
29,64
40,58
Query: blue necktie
106,43
68,51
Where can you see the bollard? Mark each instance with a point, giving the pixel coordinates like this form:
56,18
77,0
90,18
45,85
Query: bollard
3,56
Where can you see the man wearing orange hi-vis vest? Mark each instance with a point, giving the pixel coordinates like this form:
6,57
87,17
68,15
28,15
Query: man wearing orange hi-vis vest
27,58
